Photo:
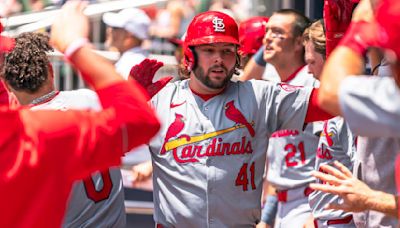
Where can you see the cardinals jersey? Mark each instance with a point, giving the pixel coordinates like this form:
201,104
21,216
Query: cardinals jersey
96,201
209,156
336,143
291,154
369,106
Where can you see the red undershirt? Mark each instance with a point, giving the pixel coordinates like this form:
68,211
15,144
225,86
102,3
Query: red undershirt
206,97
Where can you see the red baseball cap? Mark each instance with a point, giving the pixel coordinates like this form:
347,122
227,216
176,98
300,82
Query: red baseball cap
388,18
6,43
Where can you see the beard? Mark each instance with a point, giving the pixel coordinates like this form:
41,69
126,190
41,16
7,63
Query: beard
206,80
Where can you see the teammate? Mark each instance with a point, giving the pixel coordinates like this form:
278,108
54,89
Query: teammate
336,141
97,200
209,157
376,155
44,152
251,35
126,32
290,168
283,40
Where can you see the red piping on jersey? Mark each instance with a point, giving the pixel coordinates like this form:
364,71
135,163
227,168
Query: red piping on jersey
293,75
314,111
397,178
344,220
284,133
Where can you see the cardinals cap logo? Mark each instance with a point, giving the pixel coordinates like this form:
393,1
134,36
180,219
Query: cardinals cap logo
218,24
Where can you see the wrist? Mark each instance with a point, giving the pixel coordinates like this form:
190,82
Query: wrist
74,46
259,57
356,37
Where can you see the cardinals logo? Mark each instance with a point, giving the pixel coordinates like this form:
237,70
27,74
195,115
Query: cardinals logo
328,135
174,129
236,116
289,88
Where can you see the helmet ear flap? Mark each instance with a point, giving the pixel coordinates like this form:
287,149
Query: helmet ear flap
190,58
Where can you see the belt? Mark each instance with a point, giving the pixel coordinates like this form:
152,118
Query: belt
290,194
158,225
344,220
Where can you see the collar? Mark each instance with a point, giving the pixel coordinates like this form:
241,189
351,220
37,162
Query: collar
206,97
293,75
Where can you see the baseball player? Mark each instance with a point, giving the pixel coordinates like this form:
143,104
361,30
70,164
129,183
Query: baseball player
291,154
337,143
97,200
375,156
251,35
44,152
209,157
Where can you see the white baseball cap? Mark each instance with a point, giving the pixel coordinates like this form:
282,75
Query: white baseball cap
132,20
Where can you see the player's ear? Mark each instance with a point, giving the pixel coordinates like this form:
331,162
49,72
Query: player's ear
299,43
50,70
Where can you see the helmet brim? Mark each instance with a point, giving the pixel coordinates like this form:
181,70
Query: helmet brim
213,39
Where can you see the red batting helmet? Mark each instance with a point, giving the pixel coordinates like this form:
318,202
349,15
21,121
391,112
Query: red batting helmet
206,28
6,43
251,34
388,18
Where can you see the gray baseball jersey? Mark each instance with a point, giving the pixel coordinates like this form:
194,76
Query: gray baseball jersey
291,154
375,165
365,99
336,143
209,156
371,111
97,201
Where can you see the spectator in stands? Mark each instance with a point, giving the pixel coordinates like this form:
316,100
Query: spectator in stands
171,22
126,31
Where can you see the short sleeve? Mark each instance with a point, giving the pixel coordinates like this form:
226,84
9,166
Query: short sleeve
369,106
288,107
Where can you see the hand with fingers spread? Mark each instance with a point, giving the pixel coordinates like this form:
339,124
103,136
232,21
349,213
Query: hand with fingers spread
356,195
144,73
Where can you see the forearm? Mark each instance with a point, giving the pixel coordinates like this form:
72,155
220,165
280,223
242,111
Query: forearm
252,71
383,202
129,112
342,63
255,68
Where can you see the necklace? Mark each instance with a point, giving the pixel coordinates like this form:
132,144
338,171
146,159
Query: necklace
44,98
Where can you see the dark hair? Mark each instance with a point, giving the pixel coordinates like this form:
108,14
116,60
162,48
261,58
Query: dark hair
301,21
26,66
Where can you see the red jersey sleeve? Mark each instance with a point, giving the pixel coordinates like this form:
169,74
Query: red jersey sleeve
86,141
314,111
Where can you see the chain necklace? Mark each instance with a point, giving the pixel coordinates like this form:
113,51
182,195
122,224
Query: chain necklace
44,98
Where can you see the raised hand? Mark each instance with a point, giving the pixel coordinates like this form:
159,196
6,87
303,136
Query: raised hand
70,25
337,17
144,73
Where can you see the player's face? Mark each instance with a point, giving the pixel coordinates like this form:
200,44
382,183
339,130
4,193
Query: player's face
115,38
215,64
278,40
315,61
